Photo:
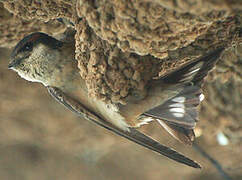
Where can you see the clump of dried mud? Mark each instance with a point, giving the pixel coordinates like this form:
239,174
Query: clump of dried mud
43,10
13,28
109,72
149,28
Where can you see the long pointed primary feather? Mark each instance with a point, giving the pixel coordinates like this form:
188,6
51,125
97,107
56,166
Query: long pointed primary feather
195,71
132,134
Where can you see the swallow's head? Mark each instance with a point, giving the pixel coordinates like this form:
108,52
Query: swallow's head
34,56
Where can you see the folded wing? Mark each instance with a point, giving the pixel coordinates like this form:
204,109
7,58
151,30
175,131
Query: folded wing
179,114
132,134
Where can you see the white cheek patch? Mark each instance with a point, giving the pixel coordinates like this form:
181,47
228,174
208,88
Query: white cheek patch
179,99
24,76
201,97
177,110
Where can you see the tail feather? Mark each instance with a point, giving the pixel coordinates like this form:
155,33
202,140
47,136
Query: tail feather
149,143
184,135
179,114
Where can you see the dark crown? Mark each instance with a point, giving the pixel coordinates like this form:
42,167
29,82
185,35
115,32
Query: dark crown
31,40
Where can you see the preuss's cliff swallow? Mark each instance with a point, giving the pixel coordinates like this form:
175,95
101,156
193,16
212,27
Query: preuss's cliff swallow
171,100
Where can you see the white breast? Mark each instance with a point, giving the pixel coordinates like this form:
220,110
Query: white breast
111,113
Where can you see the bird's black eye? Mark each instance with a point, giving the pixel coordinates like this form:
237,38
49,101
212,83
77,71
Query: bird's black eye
27,47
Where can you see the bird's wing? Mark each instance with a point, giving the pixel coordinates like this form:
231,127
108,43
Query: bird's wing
179,114
195,71
132,134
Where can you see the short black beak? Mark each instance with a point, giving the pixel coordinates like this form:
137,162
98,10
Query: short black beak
15,62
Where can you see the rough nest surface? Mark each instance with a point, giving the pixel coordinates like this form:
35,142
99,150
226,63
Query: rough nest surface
44,10
109,72
14,28
147,27
153,28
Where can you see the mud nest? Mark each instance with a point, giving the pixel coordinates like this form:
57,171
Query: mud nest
166,36
121,45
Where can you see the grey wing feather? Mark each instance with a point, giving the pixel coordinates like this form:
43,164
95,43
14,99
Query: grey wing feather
132,134
181,109
179,114
196,71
